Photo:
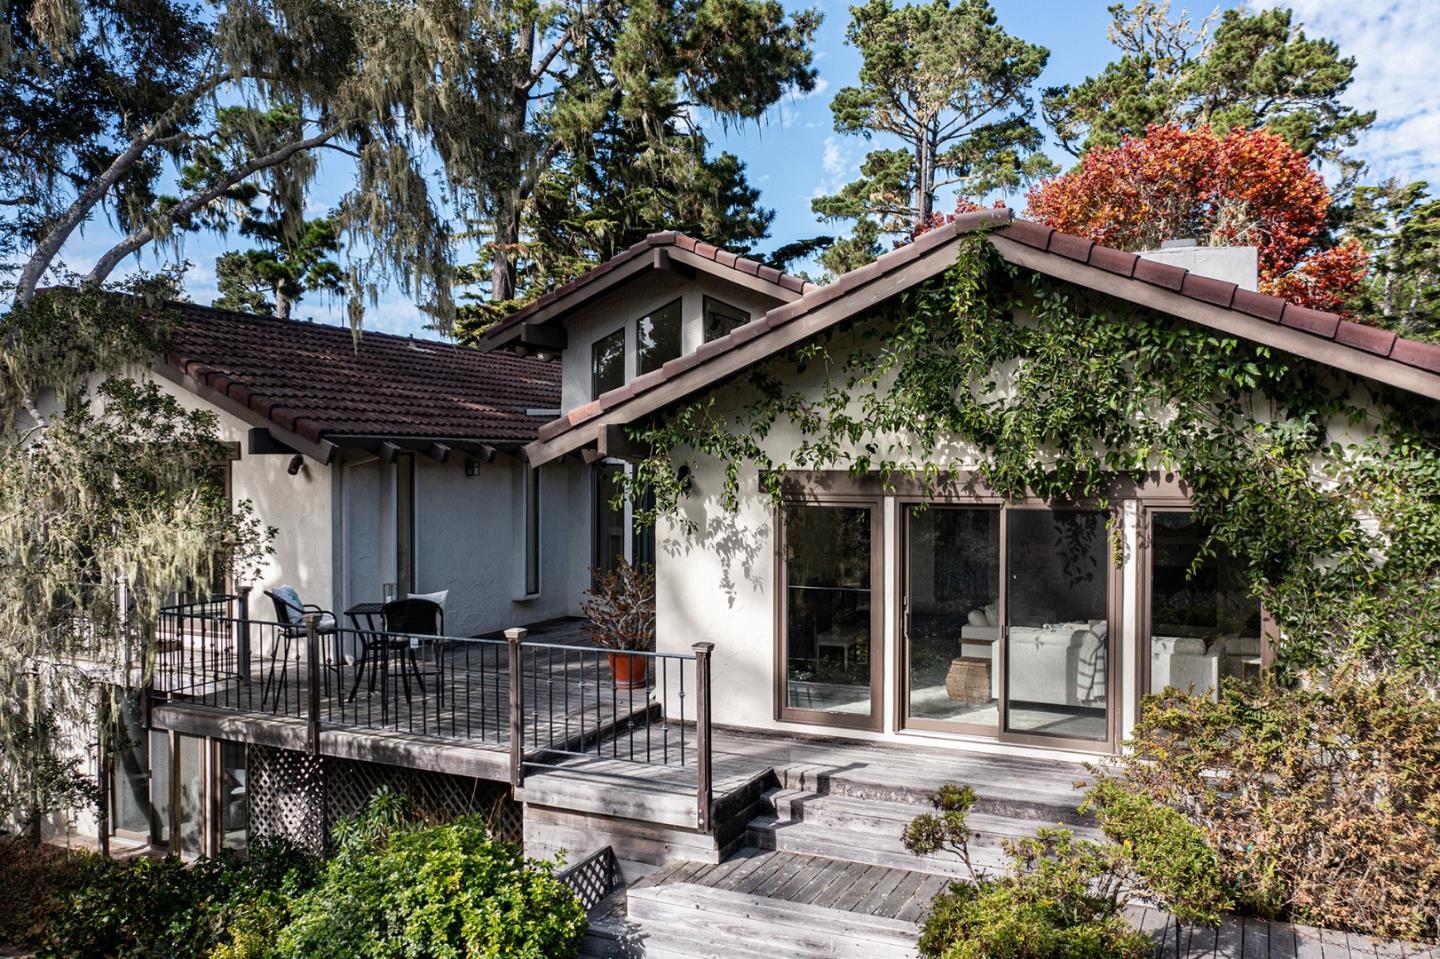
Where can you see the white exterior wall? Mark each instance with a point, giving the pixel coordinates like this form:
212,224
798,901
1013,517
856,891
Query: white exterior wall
718,585
298,506
628,304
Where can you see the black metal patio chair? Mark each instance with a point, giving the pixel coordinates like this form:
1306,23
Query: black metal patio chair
403,619
290,615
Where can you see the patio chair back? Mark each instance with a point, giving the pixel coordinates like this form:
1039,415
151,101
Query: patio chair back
418,617
288,608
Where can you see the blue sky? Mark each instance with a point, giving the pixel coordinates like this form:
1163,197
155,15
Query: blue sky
794,152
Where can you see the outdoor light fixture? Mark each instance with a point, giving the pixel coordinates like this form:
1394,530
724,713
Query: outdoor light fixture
472,467
297,463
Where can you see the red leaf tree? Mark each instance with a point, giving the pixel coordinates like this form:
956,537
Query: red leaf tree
1249,187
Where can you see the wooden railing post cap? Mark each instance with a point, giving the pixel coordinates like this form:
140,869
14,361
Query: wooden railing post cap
516,634
703,649
311,619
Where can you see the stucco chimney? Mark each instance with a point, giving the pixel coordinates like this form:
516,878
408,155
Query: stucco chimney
1236,264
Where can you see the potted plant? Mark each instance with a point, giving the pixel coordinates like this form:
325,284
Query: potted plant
620,615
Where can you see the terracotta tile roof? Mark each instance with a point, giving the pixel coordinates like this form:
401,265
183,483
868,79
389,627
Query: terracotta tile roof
792,284
316,380
1331,334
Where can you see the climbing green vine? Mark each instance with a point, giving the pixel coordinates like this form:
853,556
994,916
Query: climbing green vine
1325,487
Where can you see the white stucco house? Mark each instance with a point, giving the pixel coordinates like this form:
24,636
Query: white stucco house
853,610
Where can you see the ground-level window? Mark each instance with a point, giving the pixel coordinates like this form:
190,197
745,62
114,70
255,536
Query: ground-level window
620,530
232,798
188,794
829,653
1202,624
607,363
130,771
722,318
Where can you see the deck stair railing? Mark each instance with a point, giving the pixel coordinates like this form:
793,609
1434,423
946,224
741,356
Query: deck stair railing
548,703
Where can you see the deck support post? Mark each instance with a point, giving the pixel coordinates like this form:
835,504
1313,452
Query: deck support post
704,792
513,638
312,677
242,641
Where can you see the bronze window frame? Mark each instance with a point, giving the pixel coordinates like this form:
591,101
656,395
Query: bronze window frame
1146,509
841,493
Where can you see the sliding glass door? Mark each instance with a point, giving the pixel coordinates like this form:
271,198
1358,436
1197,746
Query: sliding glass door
951,618
1057,624
829,659
1006,622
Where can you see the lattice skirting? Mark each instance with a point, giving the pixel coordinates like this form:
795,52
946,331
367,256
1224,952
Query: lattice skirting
300,796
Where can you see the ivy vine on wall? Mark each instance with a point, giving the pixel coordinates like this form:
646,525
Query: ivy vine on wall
1325,487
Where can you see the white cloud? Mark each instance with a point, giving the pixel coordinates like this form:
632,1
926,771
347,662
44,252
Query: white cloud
1394,46
833,160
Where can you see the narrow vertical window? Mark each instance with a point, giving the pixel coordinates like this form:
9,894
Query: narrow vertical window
721,318
532,530
658,337
405,523
607,363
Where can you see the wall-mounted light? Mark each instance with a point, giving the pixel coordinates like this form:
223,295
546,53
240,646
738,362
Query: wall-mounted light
297,463
472,467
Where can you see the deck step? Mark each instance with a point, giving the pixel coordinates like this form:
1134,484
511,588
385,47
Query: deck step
690,921
1048,796
869,831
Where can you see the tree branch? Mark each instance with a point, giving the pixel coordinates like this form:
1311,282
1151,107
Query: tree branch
79,210
200,198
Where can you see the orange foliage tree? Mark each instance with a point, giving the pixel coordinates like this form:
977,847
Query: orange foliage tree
1248,187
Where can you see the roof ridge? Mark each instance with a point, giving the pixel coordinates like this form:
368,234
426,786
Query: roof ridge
309,324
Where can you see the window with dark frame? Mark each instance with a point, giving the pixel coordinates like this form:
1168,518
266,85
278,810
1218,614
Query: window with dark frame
658,337
532,530
607,363
405,523
721,318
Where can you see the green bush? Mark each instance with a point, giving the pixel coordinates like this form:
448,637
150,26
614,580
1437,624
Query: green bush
1059,898
164,907
398,889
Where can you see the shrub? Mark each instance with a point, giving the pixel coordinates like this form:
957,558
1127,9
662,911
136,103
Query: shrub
1059,898
1322,803
37,880
397,888
164,907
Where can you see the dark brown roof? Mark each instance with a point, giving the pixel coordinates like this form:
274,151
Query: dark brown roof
1323,337
786,285
318,381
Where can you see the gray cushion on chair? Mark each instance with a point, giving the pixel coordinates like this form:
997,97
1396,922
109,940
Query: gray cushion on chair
290,604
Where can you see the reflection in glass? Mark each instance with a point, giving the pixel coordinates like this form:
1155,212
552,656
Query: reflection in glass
191,811
234,796
827,609
952,608
609,517
130,784
722,318
1204,624
160,787
658,337
607,363
1058,636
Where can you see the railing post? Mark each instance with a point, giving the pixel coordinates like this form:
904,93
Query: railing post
312,679
703,788
514,637
242,642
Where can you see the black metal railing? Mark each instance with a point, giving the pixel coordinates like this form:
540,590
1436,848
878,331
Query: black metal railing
545,701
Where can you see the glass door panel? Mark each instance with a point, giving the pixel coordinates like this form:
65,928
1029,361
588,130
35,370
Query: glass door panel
830,608
130,782
1204,625
191,794
160,787
952,616
1057,644
234,797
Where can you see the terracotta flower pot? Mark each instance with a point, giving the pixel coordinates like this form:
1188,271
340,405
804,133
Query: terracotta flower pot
629,669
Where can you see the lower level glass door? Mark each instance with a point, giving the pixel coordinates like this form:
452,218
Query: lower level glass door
829,657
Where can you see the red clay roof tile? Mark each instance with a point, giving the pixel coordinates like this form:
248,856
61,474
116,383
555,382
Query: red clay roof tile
1311,321
1159,274
1414,353
1071,247
319,378
1208,289
1372,339
1259,305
